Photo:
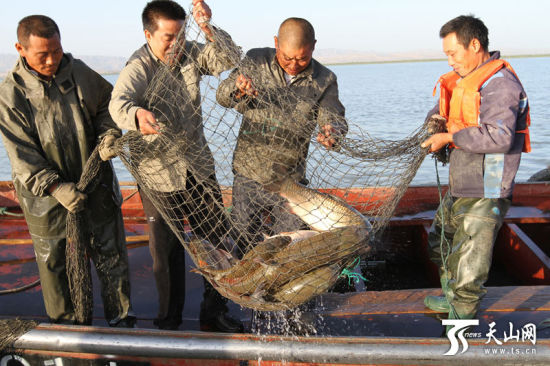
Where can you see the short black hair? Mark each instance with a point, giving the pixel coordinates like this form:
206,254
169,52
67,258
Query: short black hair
36,25
467,27
166,9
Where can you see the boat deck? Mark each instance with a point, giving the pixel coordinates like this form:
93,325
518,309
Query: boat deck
518,287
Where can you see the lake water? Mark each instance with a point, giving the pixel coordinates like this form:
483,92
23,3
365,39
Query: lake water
391,100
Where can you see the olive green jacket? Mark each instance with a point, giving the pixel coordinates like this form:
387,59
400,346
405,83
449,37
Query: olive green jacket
279,123
173,95
49,130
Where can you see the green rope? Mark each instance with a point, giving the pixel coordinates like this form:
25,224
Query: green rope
352,276
266,126
4,211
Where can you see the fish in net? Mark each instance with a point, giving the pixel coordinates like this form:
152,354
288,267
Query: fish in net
186,171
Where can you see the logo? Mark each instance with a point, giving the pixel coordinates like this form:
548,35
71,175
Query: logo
458,329
526,334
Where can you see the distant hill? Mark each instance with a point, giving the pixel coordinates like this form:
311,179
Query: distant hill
113,64
339,56
101,64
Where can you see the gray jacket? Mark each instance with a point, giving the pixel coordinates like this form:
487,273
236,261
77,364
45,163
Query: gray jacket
278,124
487,159
49,130
181,108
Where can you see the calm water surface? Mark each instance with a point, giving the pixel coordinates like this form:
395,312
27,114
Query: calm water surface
391,100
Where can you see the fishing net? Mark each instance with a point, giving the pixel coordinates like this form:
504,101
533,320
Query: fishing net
11,330
299,232
78,265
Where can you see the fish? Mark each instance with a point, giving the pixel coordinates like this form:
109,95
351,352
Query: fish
255,301
305,287
251,260
320,211
290,262
305,255
207,257
286,270
250,282
299,235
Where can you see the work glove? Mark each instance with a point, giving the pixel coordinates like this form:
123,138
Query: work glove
107,149
70,197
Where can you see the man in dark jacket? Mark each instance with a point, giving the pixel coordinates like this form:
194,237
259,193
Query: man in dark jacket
295,95
53,113
487,115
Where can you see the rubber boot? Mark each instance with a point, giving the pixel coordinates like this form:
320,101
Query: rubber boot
439,303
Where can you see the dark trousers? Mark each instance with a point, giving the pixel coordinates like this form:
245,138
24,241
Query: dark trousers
201,204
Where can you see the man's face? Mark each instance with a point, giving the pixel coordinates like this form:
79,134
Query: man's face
462,60
43,55
163,39
293,60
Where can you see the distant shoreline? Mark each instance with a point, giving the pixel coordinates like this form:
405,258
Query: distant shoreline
330,63
423,60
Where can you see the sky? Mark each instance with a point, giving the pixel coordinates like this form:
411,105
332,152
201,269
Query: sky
113,27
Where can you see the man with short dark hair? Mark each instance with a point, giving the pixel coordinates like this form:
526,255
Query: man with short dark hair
53,113
297,94
487,118
196,191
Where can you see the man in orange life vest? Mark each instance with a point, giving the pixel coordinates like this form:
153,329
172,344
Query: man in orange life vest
487,118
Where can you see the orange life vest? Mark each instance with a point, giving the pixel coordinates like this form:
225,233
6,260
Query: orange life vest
459,101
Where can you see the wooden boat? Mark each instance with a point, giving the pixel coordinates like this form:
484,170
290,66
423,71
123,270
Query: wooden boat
384,323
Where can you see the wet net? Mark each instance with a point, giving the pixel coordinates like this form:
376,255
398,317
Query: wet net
78,249
270,216
10,331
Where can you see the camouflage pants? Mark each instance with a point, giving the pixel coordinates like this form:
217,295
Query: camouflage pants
470,229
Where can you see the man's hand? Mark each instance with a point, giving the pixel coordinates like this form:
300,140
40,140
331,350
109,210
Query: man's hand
202,15
244,84
70,197
438,141
107,149
328,136
147,122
